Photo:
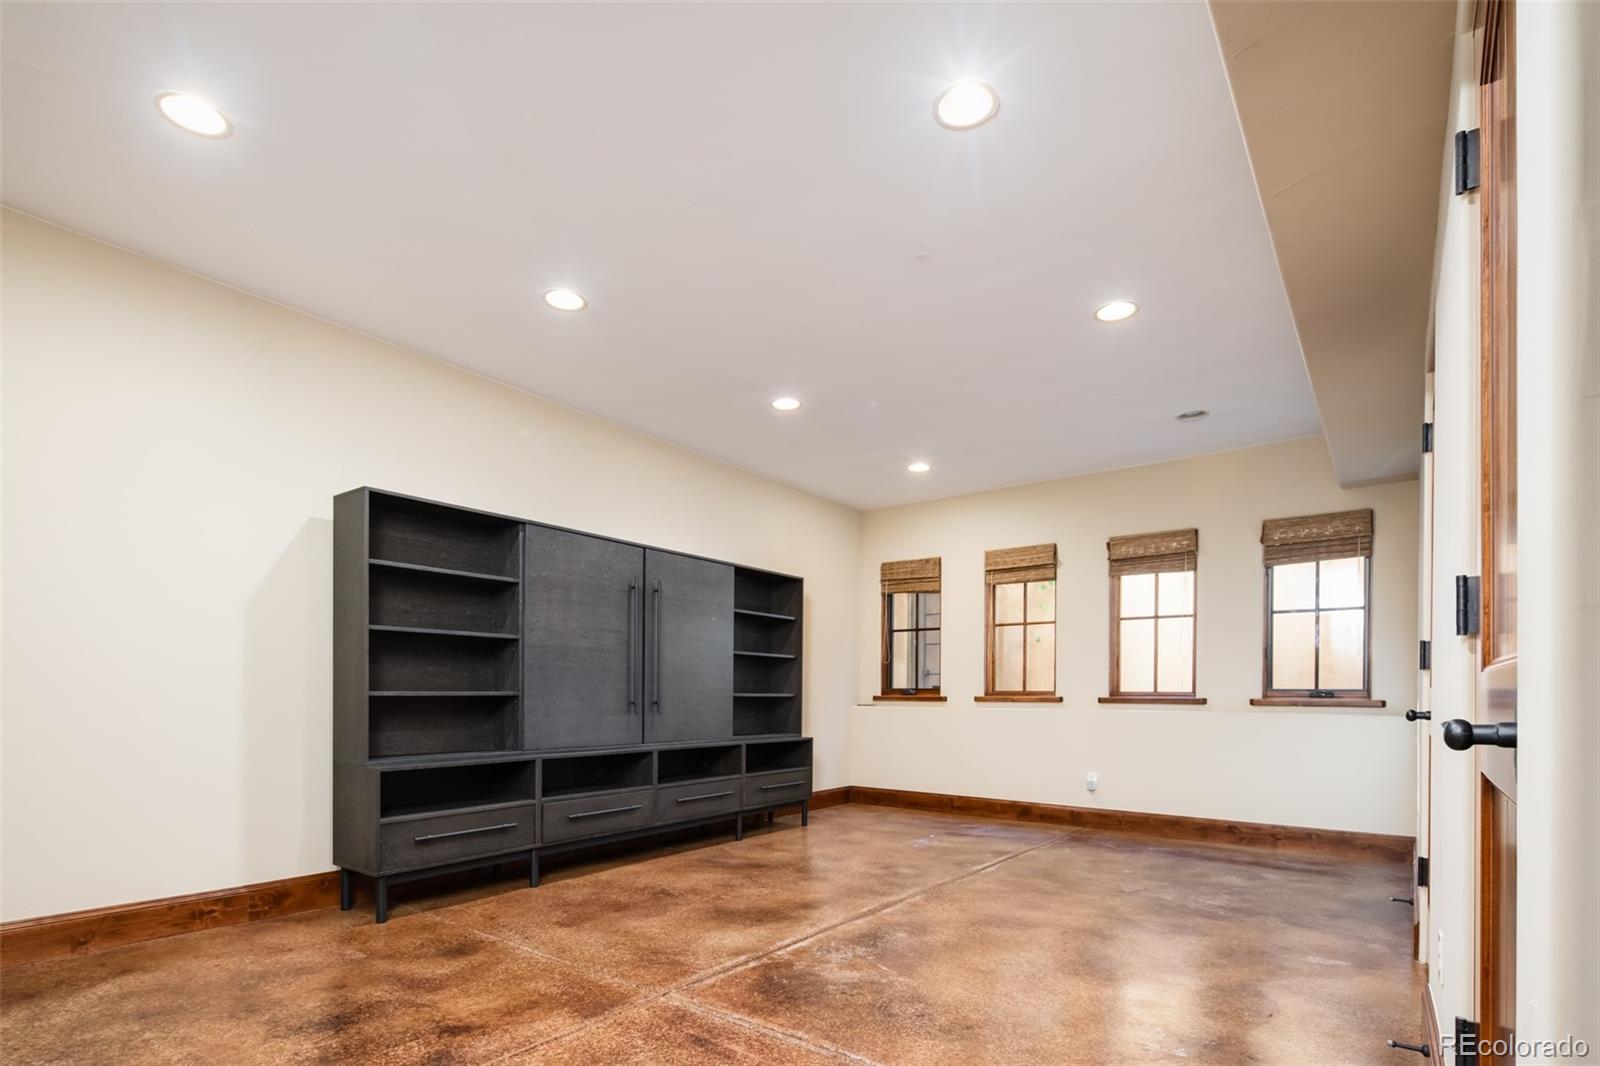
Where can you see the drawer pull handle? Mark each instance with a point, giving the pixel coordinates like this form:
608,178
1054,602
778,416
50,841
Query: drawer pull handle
608,810
464,832
705,796
782,784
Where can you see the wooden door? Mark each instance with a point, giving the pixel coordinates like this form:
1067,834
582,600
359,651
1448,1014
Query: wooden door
582,640
1497,681
688,649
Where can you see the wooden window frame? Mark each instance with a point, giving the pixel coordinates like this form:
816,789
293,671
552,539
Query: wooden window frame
1019,566
886,692
1315,695
1118,695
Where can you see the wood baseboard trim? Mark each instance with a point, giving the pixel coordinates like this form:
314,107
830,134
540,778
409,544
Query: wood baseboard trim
58,936
1170,826
1430,1019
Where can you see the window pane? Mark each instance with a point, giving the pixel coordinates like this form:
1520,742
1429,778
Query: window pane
1343,584
1294,587
1138,595
1008,659
1177,592
1041,601
928,646
1175,670
902,609
1042,657
900,661
927,610
1343,649
1294,649
1008,602
1137,650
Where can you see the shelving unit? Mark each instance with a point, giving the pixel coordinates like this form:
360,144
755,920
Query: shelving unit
766,644
505,689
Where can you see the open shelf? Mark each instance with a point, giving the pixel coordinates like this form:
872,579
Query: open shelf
444,632
446,789
679,765
579,775
403,530
419,692
440,571
765,714
777,755
406,661
765,654
409,599
441,725
768,615
763,695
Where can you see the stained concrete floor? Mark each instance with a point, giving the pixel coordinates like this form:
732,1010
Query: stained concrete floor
874,935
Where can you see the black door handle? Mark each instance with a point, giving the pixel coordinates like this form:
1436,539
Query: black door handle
633,687
1415,715
1460,734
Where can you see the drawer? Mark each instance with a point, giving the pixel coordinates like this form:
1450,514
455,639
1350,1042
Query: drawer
592,816
697,799
778,786
442,838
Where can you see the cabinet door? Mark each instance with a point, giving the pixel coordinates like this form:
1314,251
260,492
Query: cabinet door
688,649
583,603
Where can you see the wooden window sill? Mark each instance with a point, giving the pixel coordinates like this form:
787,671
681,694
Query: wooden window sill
1192,701
1312,701
904,698
1016,699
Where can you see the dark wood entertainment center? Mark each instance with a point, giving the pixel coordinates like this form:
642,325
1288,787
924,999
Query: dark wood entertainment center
505,688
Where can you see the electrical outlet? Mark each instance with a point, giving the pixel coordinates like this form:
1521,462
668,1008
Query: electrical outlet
1092,781
1438,952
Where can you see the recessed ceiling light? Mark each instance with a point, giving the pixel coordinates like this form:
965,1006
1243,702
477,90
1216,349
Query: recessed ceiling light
1193,416
966,104
194,114
1116,310
919,467
565,300
786,403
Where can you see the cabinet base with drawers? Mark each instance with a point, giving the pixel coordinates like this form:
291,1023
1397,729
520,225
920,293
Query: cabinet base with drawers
439,816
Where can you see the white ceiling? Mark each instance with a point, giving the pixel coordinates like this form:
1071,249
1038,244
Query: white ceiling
754,198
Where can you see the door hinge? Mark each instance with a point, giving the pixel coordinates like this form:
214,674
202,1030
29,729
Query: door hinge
1422,871
1467,603
1466,161
1466,1042
1424,655
1427,437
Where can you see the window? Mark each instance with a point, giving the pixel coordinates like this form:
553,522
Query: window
911,660
1020,656
1318,590
1153,617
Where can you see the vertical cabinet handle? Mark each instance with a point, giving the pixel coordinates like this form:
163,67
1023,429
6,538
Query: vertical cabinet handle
633,625
655,675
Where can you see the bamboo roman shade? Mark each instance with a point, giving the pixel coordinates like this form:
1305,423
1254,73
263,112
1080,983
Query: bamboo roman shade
1320,536
1153,553
1034,563
911,575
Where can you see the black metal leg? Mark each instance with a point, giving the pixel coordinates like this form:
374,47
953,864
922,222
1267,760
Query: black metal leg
770,816
533,869
346,897
805,812
738,827
383,900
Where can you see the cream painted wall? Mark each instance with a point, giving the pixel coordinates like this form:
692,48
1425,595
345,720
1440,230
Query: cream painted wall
171,450
1335,768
